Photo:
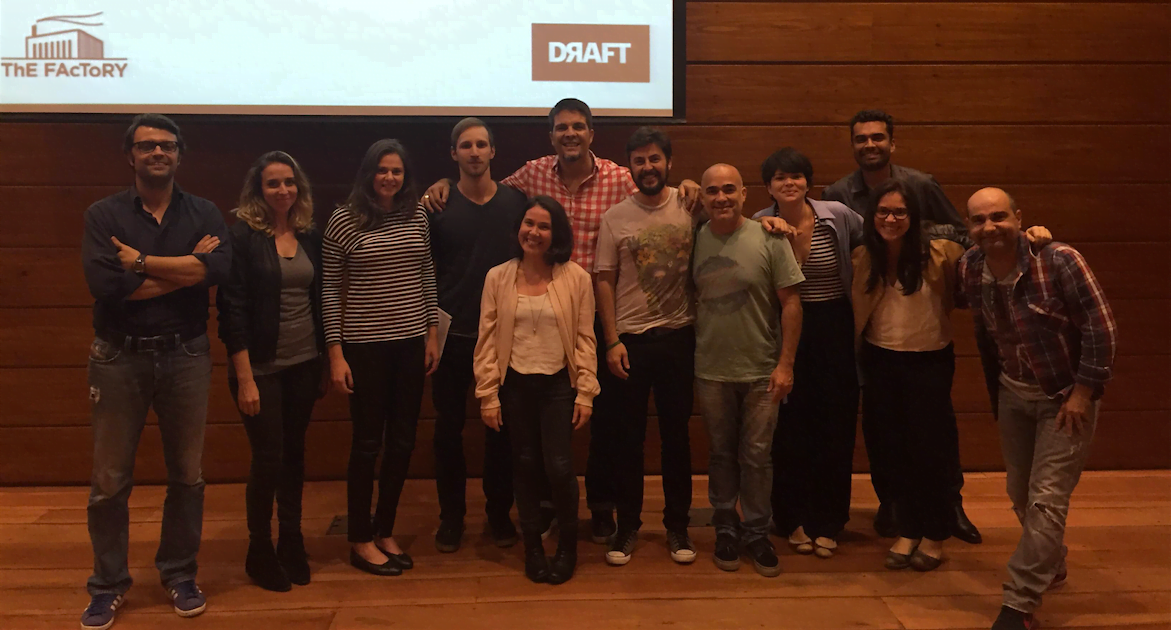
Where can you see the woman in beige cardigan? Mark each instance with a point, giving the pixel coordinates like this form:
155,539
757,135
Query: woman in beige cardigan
535,367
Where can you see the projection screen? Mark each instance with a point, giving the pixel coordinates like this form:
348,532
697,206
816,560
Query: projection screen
340,57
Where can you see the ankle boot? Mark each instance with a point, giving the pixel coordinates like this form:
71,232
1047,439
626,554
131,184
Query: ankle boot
536,564
565,560
290,551
264,568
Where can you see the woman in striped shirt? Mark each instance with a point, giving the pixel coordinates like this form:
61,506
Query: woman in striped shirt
382,340
813,449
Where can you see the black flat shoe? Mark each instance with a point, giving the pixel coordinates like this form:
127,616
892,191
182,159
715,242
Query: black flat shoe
897,561
389,568
923,562
402,560
962,528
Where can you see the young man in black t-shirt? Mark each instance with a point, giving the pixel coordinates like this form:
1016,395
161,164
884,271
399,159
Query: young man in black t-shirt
474,232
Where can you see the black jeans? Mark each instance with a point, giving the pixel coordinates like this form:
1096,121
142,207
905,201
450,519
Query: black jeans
388,391
449,392
908,394
539,409
813,448
601,494
277,438
662,360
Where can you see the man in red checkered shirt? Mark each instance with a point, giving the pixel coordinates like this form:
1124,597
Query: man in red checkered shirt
1047,338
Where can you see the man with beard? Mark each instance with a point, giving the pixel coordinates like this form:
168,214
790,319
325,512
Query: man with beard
473,234
872,137
645,307
745,282
1047,341
149,254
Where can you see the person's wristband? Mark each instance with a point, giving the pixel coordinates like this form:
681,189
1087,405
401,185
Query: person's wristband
613,345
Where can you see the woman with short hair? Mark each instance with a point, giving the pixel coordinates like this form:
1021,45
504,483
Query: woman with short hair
535,367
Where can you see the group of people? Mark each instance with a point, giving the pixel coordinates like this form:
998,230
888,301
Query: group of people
565,295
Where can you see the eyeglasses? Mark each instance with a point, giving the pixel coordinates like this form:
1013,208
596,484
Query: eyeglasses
900,213
148,146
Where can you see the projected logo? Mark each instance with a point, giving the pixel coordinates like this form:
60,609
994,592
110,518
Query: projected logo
56,50
601,53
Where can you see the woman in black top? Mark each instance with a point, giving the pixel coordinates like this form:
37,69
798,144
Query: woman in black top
270,321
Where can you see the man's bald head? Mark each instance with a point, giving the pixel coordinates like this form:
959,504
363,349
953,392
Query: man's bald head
723,194
993,219
723,172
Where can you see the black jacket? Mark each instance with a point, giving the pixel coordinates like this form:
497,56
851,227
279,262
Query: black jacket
249,303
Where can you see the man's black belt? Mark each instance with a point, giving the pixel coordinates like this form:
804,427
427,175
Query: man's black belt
158,343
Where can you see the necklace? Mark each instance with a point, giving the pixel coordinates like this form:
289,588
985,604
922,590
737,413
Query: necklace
535,314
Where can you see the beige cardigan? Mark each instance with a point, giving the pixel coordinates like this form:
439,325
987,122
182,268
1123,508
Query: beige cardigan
572,296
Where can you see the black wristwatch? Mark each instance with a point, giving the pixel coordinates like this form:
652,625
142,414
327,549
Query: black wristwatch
140,265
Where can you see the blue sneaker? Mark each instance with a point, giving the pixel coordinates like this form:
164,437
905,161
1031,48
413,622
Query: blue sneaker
101,611
189,600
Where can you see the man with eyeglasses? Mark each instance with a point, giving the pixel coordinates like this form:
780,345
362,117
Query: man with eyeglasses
149,253
872,137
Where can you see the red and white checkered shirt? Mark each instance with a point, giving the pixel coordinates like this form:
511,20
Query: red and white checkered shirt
609,184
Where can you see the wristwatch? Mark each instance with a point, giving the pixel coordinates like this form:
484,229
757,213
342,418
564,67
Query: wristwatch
140,265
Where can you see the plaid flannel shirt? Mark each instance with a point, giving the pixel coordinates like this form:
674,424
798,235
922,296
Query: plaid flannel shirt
1066,327
609,184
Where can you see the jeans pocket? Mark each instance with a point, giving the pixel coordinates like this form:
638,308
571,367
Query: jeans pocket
198,347
102,351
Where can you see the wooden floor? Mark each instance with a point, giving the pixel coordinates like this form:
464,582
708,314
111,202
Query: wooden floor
1120,570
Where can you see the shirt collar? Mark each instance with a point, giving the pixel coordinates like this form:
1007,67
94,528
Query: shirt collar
556,167
857,183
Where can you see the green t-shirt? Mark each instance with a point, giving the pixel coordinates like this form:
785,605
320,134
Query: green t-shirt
737,328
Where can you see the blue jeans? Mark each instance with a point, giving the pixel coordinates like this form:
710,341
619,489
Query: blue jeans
741,419
124,385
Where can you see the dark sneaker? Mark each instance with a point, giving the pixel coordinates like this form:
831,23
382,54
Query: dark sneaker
727,554
448,537
679,544
622,547
503,532
602,527
101,611
764,557
548,520
188,599
1012,619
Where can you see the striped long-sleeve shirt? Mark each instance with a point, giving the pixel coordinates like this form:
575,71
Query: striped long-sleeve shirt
388,276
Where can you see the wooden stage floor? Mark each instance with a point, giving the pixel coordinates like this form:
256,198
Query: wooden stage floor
1120,570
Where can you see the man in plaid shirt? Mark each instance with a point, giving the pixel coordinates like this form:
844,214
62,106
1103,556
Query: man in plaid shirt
1047,339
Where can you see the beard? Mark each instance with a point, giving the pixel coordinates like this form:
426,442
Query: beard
884,159
651,191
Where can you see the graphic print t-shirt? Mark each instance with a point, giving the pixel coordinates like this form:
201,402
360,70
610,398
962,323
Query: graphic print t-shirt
650,248
737,324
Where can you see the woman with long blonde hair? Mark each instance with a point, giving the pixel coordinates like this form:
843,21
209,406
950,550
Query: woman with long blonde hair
270,321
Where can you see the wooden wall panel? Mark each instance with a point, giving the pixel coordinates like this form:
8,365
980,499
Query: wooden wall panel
813,93
227,455
1067,105
927,32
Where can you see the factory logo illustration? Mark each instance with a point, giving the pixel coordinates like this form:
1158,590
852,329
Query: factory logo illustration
601,53
56,48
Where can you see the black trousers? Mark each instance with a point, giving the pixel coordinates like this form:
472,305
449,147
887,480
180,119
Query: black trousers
813,448
600,465
384,408
662,360
538,409
277,438
449,393
908,395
